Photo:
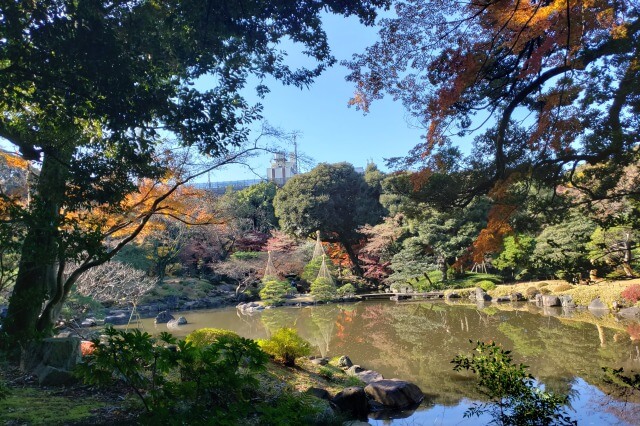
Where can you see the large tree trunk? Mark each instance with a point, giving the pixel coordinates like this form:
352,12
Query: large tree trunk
38,278
357,270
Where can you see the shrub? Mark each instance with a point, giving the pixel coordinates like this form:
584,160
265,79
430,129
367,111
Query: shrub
514,399
631,293
285,346
175,378
542,284
323,289
545,290
273,292
563,287
486,285
207,336
346,290
531,292
246,255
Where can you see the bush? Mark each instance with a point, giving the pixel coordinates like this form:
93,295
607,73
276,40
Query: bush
285,346
543,284
323,289
563,287
531,292
273,292
631,293
486,285
514,399
175,378
545,290
311,269
207,336
246,255
346,290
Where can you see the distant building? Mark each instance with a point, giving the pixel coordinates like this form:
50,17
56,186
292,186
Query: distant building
282,168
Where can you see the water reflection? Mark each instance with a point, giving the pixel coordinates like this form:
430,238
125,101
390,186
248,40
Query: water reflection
416,341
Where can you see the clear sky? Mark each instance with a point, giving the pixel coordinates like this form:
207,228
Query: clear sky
330,130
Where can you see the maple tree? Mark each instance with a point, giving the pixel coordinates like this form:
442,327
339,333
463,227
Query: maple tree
91,89
545,85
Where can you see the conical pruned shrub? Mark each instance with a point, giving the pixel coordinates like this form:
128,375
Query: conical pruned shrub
323,289
274,292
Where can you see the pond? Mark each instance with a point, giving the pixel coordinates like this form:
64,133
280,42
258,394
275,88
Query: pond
417,341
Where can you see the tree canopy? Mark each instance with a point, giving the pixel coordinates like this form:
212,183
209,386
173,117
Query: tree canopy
333,199
91,89
543,85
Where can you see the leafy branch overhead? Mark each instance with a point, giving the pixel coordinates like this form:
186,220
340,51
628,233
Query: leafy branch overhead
544,86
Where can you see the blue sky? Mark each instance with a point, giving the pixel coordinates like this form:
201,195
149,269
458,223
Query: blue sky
330,130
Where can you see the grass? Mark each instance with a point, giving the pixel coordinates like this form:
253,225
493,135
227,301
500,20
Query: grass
39,407
470,279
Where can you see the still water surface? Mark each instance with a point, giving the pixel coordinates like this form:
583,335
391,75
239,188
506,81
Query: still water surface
417,341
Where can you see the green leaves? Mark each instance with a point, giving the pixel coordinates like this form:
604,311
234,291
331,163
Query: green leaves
514,397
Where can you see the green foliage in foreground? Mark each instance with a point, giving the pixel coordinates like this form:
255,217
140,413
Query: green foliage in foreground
285,346
207,336
514,397
175,379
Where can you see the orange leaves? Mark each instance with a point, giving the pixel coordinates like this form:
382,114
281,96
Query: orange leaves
13,161
152,199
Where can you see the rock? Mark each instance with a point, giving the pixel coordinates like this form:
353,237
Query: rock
182,321
52,360
320,361
537,298
352,400
482,295
51,376
369,376
319,393
355,423
567,301
597,305
344,362
354,370
503,299
117,319
517,297
630,313
453,295
163,317
550,300
394,393
89,322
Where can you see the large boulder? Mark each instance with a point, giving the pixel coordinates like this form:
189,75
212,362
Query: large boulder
567,301
164,317
597,305
353,401
549,300
393,393
630,313
319,393
52,360
482,295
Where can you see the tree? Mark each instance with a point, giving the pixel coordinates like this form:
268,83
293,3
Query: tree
332,198
561,249
92,88
252,206
565,70
516,255
613,247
